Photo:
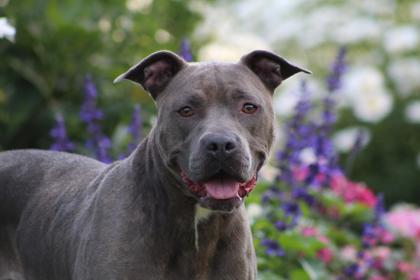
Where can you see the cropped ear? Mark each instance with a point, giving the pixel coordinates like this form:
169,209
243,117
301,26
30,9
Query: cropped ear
270,68
154,72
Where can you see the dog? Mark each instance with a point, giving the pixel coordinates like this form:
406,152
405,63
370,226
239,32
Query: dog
173,209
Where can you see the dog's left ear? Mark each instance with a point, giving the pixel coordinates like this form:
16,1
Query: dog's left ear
270,68
154,72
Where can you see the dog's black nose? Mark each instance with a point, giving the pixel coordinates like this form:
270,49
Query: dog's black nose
219,146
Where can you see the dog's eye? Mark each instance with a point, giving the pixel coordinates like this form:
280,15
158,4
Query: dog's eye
186,111
249,108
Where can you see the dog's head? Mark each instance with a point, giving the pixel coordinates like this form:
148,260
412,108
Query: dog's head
215,120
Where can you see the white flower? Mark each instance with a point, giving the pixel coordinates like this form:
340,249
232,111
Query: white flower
289,93
307,155
355,30
104,24
162,36
362,79
378,7
7,30
405,73
373,107
365,91
253,211
268,172
232,18
138,5
401,39
412,112
345,139
316,26
232,48
285,99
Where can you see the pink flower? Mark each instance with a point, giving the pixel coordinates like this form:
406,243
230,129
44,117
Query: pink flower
325,255
323,239
381,252
349,191
404,220
313,232
387,237
309,231
352,192
415,275
379,255
377,277
404,267
348,253
300,173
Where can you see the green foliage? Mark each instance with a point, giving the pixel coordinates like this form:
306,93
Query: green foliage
58,42
388,164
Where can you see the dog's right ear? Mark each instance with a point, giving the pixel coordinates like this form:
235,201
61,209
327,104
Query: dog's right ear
270,68
154,72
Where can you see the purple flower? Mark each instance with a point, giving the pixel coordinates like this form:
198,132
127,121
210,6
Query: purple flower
302,194
333,83
292,212
272,248
336,72
185,50
280,225
291,208
379,209
351,270
98,143
59,135
89,112
272,193
357,146
323,145
368,235
298,136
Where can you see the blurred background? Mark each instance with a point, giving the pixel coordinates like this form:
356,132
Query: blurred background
55,54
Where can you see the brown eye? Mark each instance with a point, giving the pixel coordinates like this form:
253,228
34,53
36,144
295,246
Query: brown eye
186,111
249,108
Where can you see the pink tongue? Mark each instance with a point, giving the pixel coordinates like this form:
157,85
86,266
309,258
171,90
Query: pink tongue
222,189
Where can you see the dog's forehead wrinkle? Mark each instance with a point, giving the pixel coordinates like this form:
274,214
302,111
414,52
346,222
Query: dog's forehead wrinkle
237,83
219,82
196,99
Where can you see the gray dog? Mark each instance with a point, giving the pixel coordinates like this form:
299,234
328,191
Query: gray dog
172,209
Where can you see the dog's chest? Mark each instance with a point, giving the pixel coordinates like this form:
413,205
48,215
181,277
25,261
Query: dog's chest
201,215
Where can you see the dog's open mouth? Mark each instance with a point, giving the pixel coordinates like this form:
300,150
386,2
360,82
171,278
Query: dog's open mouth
220,188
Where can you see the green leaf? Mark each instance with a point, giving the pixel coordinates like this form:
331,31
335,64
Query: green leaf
268,275
315,269
299,274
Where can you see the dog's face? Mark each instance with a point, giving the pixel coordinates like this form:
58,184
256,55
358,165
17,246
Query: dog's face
215,120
